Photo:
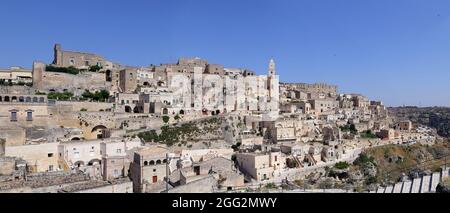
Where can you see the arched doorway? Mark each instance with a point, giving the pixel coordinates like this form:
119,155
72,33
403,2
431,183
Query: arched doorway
94,162
165,111
136,109
99,130
181,112
79,164
128,109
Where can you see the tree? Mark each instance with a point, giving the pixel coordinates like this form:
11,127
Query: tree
95,68
97,96
177,117
70,70
60,96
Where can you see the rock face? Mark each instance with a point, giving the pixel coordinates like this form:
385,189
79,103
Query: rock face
443,188
436,117
370,169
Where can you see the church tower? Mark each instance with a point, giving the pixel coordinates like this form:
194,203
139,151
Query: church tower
272,84
272,68
273,89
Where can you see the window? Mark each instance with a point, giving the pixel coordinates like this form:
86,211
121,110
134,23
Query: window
118,151
14,116
86,63
71,61
50,155
29,116
154,170
116,172
76,154
50,168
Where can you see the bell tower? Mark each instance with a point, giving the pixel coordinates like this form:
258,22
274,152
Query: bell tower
272,71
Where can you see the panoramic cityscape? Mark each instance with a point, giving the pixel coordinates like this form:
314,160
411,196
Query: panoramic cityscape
77,121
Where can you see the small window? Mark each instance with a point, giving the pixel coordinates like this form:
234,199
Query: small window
29,116
118,151
50,155
154,170
13,116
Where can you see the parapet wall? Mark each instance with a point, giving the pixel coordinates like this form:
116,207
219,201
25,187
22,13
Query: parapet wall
90,81
311,88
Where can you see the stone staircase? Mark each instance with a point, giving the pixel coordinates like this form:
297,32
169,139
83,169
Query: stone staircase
425,184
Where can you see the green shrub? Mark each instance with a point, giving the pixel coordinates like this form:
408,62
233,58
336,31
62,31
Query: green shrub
83,110
368,134
349,128
341,165
166,119
95,68
363,159
97,96
60,96
70,70
271,186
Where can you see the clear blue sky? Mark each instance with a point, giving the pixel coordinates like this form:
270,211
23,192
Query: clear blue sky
397,51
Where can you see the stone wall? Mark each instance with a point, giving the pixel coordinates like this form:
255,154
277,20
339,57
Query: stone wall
77,83
39,157
14,136
123,187
205,185
75,106
7,165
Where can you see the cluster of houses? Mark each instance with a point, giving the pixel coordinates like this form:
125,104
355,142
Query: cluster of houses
53,127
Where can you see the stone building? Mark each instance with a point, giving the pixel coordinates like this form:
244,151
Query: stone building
80,60
148,167
128,81
404,125
39,157
261,166
321,106
115,167
16,75
23,109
